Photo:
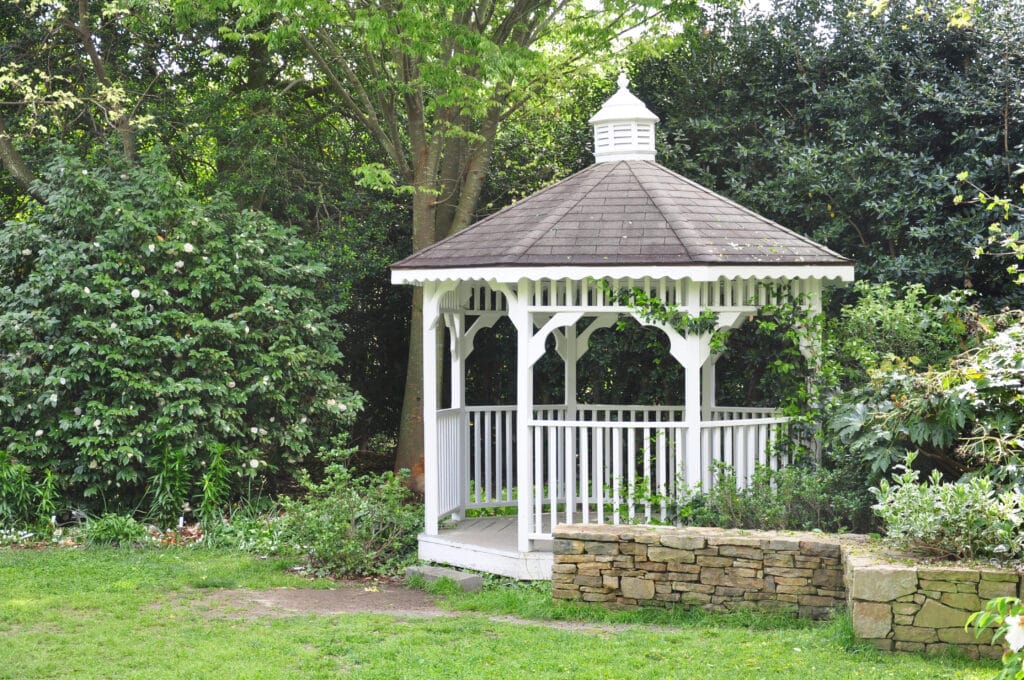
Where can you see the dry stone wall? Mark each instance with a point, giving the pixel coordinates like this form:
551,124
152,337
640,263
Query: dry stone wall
715,569
922,608
899,606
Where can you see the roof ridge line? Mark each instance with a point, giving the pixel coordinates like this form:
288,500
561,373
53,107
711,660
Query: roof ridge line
479,223
805,239
658,201
517,252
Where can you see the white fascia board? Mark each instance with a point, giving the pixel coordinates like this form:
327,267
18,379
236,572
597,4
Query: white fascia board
839,273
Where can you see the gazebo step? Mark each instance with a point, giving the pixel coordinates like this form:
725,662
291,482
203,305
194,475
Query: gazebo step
470,583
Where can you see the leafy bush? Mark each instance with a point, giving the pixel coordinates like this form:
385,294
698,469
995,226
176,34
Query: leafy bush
795,497
157,350
365,525
965,520
116,530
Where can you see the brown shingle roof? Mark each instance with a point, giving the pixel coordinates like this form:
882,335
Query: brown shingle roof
625,212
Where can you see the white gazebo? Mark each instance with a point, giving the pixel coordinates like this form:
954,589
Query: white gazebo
499,478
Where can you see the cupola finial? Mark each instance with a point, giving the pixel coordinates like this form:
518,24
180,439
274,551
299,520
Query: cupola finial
624,127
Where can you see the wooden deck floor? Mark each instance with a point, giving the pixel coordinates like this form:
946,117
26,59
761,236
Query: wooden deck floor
487,544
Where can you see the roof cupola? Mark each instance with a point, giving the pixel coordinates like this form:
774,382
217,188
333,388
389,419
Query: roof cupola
623,128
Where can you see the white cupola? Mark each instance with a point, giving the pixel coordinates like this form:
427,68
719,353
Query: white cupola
623,128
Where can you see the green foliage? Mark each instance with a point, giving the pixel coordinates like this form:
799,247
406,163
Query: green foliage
1007,615
797,497
120,531
652,310
851,127
158,350
352,526
964,520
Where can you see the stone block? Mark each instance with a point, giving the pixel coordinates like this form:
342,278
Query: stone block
959,636
713,561
999,575
593,581
915,647
735,541
828,578
948,574
749,553
937,586
470,583
611,582
791,544
778,560
817,601
566,546
652,566
694,598
563,569
883,583
914,634
788,572
562,594
638,588
662,554
597,597
872,619
683,542
819,549
988,590
903,620
936,615
883,644
721,577
600,548
681,587
961,601
668,597
906,608
676,567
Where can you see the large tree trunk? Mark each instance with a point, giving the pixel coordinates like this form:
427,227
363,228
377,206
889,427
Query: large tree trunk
410,432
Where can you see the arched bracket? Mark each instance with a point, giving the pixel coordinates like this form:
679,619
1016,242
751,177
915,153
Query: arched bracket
559,320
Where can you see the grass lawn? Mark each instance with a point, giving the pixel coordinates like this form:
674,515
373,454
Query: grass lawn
105,613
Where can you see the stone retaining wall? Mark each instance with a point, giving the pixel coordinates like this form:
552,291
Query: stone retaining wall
922,608
713,568
896,606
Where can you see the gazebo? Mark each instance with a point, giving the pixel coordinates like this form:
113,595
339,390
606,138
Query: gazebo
499,478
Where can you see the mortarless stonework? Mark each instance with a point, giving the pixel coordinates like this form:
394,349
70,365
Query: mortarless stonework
896,606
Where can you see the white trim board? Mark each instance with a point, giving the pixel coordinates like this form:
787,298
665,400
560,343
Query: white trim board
839,273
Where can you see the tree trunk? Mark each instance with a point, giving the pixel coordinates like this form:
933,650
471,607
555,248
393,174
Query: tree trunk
409,455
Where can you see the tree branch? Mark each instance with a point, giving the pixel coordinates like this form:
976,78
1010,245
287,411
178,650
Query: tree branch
15,165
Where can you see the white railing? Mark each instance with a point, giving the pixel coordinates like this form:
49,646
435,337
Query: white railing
607,464
450,433
604,472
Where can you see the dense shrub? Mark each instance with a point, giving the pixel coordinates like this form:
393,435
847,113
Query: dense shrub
352,525
797,498
965,520
117,530
157,350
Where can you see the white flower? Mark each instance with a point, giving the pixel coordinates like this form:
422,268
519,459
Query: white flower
152,248
136,293
342,407
179,264
254,463
231,384
63,381
39,433
113,326
85,172
247,330
26,252
262,431
266,380
95,244
188,247
254,430
303,420
78,411
53,399
96,423
332,402
86,290
1015,632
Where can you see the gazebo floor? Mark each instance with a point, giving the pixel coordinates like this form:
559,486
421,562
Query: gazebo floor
487,544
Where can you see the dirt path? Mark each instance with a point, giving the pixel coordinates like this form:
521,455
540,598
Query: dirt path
355,597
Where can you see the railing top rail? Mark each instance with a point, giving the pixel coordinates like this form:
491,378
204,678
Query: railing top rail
778,420
609,424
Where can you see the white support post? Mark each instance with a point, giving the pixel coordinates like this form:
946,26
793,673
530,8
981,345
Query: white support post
707,387
692,368
458,353
431,309
569,356
520,317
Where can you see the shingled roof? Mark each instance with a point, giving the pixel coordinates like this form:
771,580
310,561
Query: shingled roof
633,212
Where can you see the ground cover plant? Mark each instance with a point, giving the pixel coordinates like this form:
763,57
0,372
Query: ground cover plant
150,614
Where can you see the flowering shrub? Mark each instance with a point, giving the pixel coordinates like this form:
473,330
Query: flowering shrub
1007,613
967,519
157,350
